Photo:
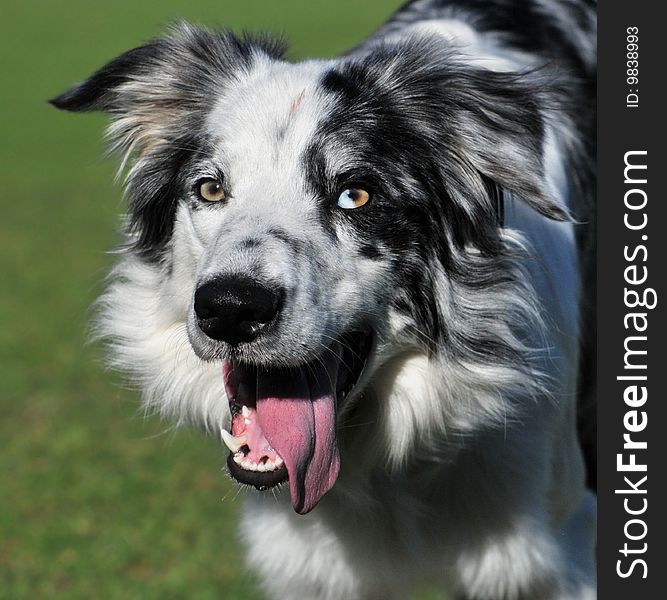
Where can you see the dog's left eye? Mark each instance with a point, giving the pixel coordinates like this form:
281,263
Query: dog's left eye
353,198
210,190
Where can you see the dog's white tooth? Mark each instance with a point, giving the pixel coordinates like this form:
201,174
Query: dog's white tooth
233,443
261,467
238,458
247,421
279,461
249,465
245,411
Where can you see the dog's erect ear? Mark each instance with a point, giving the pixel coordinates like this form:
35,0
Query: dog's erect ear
159,88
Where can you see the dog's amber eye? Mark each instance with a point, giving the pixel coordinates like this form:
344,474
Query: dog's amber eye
210,190
353,198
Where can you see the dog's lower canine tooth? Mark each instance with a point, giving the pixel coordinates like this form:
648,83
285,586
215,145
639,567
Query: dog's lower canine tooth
233,443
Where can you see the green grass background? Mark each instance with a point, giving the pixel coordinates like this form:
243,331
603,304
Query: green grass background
97,501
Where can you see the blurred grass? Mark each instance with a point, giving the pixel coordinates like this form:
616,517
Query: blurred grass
95,500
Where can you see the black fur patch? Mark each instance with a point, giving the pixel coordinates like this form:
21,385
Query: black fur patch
370,250
435,142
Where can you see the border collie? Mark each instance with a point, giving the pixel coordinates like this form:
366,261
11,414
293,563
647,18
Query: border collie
370,277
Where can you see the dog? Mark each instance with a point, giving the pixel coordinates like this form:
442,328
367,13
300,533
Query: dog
371,278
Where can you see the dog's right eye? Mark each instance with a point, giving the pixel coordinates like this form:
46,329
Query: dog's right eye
351,198
210,190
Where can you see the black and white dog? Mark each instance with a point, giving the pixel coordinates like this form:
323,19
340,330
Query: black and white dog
370,277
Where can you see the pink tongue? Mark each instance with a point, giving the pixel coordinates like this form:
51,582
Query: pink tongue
297,413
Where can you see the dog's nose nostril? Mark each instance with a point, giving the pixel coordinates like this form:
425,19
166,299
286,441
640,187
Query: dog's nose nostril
236,309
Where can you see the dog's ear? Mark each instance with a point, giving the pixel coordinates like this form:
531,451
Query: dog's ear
156,89
487,127
159,96
107,89
498,120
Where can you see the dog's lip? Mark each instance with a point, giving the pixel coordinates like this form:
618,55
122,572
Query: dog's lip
259,480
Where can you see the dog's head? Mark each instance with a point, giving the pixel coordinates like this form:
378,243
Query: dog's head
306,224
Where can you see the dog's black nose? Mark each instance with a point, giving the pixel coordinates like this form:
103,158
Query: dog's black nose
236,309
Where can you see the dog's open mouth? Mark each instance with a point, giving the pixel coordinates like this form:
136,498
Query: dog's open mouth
284,420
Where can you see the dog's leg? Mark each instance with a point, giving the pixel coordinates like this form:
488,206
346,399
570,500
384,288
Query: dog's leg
543,555
531,569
